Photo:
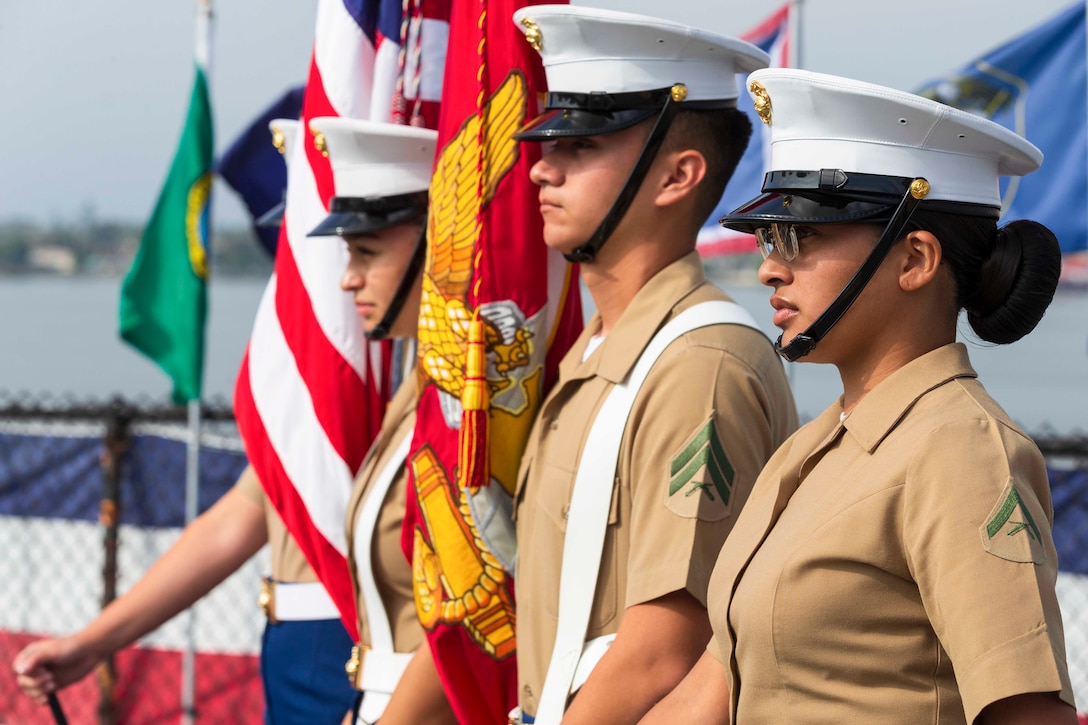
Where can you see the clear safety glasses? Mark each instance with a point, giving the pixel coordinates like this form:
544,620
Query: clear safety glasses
782,237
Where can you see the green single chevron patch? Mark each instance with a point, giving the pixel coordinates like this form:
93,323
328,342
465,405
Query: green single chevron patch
703,452
1008,508
1010,531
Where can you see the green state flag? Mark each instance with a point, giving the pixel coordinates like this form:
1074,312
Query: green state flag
164,296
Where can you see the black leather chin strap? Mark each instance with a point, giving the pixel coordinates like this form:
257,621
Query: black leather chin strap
381,331
588,251
805,342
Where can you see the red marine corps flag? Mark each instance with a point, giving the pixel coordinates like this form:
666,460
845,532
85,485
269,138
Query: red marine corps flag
498,312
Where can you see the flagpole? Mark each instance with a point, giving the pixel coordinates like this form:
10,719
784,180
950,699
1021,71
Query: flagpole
795,59
192,485
202,55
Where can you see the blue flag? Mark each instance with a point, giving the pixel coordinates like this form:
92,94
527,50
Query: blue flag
254,168
1037,86
772,36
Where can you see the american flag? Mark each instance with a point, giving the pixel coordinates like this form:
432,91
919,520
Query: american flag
312,390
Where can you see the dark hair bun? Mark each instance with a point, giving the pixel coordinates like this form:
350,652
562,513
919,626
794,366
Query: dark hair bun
1016,282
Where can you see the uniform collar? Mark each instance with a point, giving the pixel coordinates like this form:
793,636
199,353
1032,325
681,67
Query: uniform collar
402,405
886,404
651,307
404,401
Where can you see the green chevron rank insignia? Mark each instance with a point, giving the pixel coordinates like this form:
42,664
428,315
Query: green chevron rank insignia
701,477
1011,532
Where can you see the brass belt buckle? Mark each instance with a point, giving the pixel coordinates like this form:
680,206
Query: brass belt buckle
354,666
267,599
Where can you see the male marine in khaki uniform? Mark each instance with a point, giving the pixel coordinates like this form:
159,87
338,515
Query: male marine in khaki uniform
645,134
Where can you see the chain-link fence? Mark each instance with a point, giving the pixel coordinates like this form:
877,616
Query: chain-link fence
1067,466
92,494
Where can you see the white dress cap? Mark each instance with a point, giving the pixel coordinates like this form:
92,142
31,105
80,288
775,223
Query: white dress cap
284,134
589,50
371,159
820,121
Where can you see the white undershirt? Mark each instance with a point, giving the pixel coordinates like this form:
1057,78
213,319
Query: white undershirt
592,345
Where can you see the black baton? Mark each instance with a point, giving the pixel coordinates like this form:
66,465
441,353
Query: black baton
56,709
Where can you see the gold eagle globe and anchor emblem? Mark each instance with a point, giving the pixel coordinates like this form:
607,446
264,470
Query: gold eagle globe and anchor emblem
761,100
533,34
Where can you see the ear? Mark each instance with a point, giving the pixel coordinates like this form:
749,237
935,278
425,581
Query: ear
681,173
921,260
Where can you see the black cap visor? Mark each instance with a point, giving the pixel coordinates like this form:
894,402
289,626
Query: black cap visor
573,122
350,215
832,196
796,209
272,218
572,114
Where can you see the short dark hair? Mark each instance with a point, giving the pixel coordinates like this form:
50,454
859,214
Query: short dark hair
721,136
1005,278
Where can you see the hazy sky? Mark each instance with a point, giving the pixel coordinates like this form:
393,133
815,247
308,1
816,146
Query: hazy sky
94,93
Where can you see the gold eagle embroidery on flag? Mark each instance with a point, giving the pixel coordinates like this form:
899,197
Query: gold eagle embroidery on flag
464,182
472,591
459,191
457,579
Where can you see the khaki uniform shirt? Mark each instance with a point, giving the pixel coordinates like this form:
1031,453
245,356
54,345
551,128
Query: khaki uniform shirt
392,572
288,562
710,413
895,566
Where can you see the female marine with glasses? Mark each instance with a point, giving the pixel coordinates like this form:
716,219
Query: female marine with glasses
894,563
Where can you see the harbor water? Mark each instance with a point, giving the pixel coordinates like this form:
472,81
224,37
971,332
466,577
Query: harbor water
60,338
